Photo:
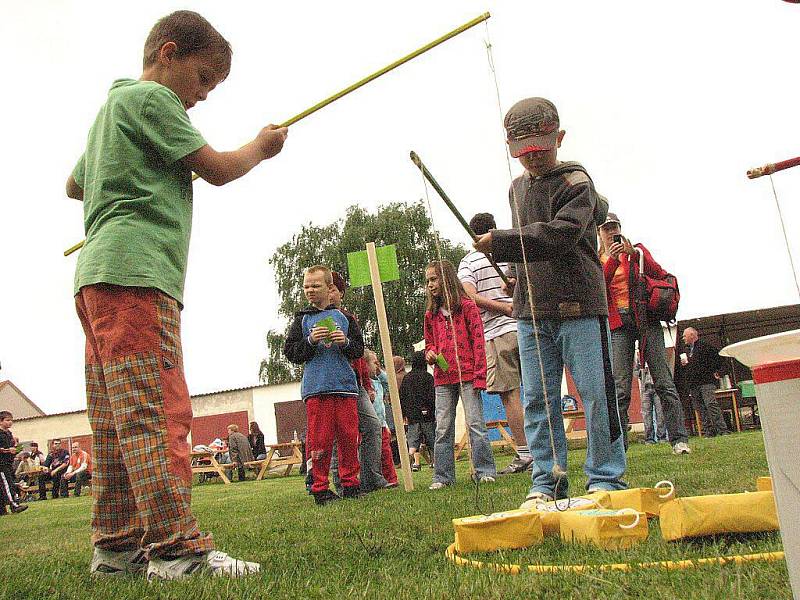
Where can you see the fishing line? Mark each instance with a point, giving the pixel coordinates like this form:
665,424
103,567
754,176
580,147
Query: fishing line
449,304
785,237
557,471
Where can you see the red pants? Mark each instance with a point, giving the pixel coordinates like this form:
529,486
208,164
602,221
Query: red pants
140,412
332,417
387,460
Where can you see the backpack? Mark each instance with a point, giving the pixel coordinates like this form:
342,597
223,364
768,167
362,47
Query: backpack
659,297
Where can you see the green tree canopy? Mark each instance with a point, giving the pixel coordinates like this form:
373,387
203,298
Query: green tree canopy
405,225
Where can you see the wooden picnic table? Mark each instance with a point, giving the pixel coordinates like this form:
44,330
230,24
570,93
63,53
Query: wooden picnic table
274,459
569,417
206,462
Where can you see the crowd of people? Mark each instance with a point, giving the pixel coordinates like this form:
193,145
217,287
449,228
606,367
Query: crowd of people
573,279
129,286
23,470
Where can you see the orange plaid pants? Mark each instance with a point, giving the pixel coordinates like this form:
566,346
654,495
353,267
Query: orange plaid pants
140,413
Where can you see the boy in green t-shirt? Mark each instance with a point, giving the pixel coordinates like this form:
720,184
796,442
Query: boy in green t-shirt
135,180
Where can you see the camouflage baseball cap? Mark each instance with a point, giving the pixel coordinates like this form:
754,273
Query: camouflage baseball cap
531,124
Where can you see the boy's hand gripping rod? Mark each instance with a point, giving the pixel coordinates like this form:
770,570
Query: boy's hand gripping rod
427,174
358,84
773,168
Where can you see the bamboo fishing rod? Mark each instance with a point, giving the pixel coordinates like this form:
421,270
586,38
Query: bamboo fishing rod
427,174
362,82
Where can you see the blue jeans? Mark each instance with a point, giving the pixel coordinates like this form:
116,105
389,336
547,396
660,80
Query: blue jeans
444,448
652,413
655,355
582,345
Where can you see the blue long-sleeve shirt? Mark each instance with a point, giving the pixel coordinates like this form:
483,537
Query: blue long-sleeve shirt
327,368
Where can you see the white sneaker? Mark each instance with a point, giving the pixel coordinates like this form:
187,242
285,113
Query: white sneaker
486,479
681,448
436,485
534,499
126,562
213,562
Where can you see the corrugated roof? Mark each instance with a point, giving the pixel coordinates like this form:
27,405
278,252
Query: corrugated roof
239,389
42,416
83,410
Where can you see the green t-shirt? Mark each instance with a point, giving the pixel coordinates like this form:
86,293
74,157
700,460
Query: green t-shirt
137,193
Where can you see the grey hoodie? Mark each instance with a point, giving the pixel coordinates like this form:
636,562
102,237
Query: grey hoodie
559,214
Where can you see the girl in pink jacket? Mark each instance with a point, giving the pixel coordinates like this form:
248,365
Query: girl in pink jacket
454,344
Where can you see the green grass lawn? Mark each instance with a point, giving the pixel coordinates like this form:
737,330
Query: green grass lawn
391,544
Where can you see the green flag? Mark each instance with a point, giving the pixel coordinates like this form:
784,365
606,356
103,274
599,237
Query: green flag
358,266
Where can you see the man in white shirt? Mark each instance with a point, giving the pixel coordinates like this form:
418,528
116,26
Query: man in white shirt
485,287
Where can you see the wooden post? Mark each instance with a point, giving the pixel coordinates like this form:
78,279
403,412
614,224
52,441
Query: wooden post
388,361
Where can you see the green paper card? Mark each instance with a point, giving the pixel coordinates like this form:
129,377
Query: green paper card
358,266
442,362
328,323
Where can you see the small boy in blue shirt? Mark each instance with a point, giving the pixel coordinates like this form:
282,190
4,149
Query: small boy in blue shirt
326,340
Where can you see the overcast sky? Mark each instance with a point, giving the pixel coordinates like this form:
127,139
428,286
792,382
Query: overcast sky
666,104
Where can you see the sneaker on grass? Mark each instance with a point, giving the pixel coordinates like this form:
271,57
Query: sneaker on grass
518,465
486,479
125,562
437,485
213,562
681,448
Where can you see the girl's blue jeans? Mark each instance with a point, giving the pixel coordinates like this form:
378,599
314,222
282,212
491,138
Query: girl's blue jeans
444,460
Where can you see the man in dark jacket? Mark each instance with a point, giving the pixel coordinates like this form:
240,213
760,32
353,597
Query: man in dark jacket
55,464
700,364
418,402
238,449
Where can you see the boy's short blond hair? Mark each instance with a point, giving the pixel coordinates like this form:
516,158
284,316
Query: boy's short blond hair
326,273
233,427
192,34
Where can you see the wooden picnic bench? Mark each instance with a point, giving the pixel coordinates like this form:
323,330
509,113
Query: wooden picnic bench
275,460
206,462
506,440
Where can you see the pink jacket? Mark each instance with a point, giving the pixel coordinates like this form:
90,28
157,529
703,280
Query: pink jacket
471,350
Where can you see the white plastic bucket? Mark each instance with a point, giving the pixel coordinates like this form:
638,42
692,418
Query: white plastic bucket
775,362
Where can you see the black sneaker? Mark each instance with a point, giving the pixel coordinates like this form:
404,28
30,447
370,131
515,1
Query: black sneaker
19,508
415,468
518,465
325,497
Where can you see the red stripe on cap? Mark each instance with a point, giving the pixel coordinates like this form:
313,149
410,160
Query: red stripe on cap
780,371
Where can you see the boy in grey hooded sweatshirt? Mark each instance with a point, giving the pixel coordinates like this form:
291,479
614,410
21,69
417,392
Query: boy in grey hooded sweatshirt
555,210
